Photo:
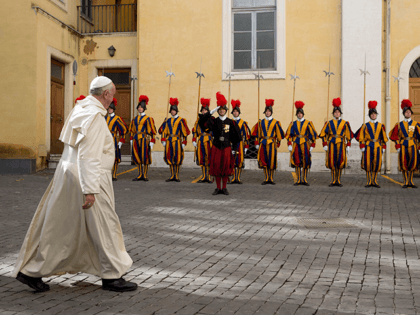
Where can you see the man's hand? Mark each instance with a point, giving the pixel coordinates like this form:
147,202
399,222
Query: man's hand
90,200
325,148
257,146
120,145
362,149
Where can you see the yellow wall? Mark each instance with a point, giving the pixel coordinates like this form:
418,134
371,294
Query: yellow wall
188,32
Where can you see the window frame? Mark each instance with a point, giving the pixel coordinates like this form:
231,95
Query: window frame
89,15
280,41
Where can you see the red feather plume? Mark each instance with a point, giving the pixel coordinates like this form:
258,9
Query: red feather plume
406,103
236,103
143,98
372,104
173,101
336,102
81,97
221,100
299,104
269,102
115,101
205,102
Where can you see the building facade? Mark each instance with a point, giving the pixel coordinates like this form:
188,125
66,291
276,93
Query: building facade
135,42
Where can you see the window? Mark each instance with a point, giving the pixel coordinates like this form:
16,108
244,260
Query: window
254,38
86,8
254,34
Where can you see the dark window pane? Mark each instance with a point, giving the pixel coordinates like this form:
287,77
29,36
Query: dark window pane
242,41
265,21
265,40
119,78
56,71
266,59
242,22
264,3
242,3
242,60
415,69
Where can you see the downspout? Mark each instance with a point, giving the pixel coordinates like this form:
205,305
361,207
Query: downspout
388,81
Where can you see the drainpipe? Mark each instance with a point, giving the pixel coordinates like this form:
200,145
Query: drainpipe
388,82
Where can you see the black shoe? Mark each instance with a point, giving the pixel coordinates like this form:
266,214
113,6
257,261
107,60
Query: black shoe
118,285
169,180
208,181
114,179
367,186
35,283
176,180
376,186
331,185
200,181
339,185
305,184
136,179
225,191
146,179
414,186
296,184
216,191
271,182
239,182
264,183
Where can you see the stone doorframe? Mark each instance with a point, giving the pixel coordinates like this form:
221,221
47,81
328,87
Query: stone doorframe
404,84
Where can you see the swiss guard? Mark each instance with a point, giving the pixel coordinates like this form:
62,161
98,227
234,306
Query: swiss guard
336,139
226,138
174,131
202,141
406,135
301,136
372,138
143,132
118,129
243,145
268,133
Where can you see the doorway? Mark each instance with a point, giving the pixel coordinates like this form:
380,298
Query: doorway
121,78
57,106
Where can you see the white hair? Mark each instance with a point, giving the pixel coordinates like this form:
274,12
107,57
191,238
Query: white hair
98,91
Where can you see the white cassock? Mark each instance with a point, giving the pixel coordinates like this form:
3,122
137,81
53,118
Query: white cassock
62,237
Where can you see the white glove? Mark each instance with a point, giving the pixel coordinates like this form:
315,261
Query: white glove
290,148
310,149
257,146
233,152
151,145
194,144
163,143
247,150
120,144
398,150
363,149
183,146
326,148
214,110
131,142
347,149
383,150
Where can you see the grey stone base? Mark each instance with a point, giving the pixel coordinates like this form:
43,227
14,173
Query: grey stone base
17,166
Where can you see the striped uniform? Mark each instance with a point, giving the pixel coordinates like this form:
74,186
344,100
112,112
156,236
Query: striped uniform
240,149
406,136
143,131
202,150
175,132
372,137
118,129
335,134
301,135
268,135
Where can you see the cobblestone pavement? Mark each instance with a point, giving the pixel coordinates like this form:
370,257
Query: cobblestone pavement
246,253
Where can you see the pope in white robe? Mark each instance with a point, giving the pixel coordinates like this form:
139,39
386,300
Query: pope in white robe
63,237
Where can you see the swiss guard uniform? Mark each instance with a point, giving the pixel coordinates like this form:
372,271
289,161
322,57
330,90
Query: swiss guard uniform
143,132
202,142
174,131
118,129
268,133
301,136
372,138
226,137
336,139
406,135
243,145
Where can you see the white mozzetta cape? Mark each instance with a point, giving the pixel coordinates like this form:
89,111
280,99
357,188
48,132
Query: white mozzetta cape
62,237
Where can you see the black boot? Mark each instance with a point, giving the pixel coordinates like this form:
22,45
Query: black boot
118,285
35,283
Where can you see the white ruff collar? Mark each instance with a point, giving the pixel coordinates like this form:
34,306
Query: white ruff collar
301,120
222,118
339,118
175,117
236,118
407,120
112,115
374,121
142,114
268,118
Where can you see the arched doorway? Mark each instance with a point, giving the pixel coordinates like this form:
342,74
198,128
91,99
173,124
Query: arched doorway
414,88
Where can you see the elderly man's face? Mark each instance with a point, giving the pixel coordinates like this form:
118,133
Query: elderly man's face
109,96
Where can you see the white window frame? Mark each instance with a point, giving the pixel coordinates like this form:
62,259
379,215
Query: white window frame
62,4
280,49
